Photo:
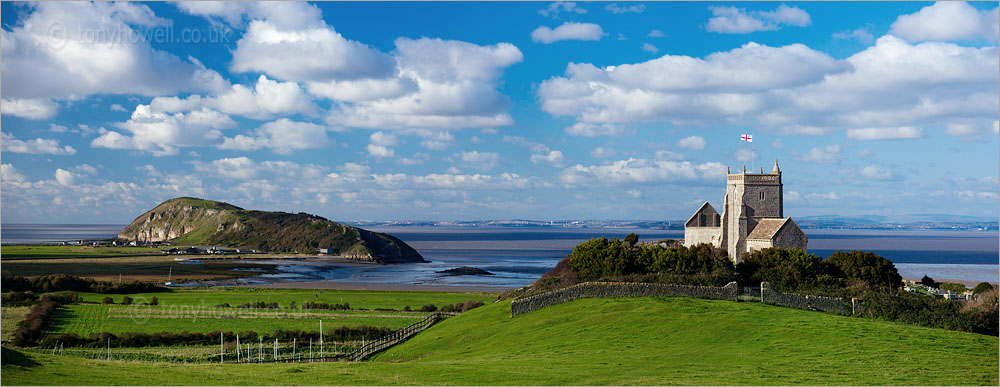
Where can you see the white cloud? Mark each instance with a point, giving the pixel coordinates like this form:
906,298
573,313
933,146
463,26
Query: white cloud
826,196
552,157
692,142
162,133
30,108
283,136
10,175
656,34
64,177
792,89
947,20
265,100
118,108
640,171
436,140
586,129
623,9
634,193
554,9
384,139
902,132
56,128
668,155
362,89
875,172
861,34
823,155
732,20
35,147
602,152
479,160
650,48
380,151
75,49
567,31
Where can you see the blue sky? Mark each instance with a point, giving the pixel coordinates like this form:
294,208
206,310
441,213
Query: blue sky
461,111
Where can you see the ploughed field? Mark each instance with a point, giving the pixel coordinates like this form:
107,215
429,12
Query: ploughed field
642,341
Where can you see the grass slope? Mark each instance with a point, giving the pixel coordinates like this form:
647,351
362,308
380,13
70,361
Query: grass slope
602,341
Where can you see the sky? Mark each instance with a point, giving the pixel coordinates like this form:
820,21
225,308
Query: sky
471,111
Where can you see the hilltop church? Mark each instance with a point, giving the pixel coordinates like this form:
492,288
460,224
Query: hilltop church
752,217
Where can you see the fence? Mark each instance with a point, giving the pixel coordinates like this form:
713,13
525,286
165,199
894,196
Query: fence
731,292
397,337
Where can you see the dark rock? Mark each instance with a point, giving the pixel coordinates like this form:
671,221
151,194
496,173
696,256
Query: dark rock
465,270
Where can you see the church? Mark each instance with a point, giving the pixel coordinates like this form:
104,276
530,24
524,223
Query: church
752,217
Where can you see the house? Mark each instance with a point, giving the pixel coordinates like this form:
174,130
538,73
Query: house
329,250
752,217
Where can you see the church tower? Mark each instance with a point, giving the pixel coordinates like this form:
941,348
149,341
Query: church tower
750,198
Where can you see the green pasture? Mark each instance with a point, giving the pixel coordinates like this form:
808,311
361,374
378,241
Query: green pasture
46,252
86,319
9,317
633,341
366,299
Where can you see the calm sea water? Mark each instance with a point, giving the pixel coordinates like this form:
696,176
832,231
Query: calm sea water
518,256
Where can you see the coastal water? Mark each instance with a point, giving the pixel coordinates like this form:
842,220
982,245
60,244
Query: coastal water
518,256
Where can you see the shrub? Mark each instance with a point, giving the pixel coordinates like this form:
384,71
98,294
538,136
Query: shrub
918,309
108,300
154,301
868,267
15,298
953,287
63,282
928,281
406,308
30,329
428,308
982,287
126,300
784,269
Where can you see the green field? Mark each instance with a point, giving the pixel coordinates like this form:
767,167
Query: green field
44,252
600,341
10,317
366,299
86,319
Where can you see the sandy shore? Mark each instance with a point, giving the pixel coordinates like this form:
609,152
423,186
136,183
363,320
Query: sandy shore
343,285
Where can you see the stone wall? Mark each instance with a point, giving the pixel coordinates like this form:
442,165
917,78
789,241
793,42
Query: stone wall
621,289
826,304
697,235
729,292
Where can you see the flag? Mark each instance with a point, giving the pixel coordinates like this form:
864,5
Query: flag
747,137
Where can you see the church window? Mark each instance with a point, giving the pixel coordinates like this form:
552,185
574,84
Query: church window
761,195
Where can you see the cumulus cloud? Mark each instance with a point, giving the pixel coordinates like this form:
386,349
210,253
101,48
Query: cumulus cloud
617,9
76,49
380,143
163,133
64,177
567,31
556,8
552,157
823,155
283,136
792,89
875,172
732,20
640,171
902,132
948,20
602,152
586,129
479,160
825,196
30,108
266,99
860,34
36,147
650,48
692,142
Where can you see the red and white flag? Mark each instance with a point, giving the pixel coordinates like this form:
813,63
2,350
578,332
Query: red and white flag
747,137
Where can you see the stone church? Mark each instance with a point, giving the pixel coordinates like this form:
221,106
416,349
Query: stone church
752,217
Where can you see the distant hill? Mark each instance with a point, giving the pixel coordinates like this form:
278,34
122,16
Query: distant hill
205,222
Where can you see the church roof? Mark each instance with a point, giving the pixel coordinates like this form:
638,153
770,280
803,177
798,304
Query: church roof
699,210
768,228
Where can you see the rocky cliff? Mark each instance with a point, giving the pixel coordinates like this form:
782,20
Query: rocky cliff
193,221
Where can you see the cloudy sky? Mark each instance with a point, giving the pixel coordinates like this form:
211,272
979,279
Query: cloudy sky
456,111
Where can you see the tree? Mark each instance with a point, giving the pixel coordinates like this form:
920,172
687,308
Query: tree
108,300
631,239
154,301
126,300
982,287
785,269
868,267
928,281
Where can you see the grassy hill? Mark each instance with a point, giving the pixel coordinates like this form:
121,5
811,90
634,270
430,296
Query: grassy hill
602,341
190,221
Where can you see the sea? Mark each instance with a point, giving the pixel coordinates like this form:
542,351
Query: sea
519,256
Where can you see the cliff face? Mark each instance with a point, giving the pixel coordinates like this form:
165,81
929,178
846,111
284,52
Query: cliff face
205,222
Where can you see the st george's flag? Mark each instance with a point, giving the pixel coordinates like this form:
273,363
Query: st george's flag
747,137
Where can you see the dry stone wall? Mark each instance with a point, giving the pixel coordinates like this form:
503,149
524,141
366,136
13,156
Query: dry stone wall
621,289
729,292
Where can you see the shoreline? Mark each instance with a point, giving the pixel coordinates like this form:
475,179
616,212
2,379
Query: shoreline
345,285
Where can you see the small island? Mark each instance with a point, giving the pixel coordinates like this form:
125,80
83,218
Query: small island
465,270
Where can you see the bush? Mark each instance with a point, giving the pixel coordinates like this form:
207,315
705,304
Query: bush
982,287
30,329
15,298
154,301
63,282
868,267
928,281
785,269
126,300
108,300
918,309
953,287
428,308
